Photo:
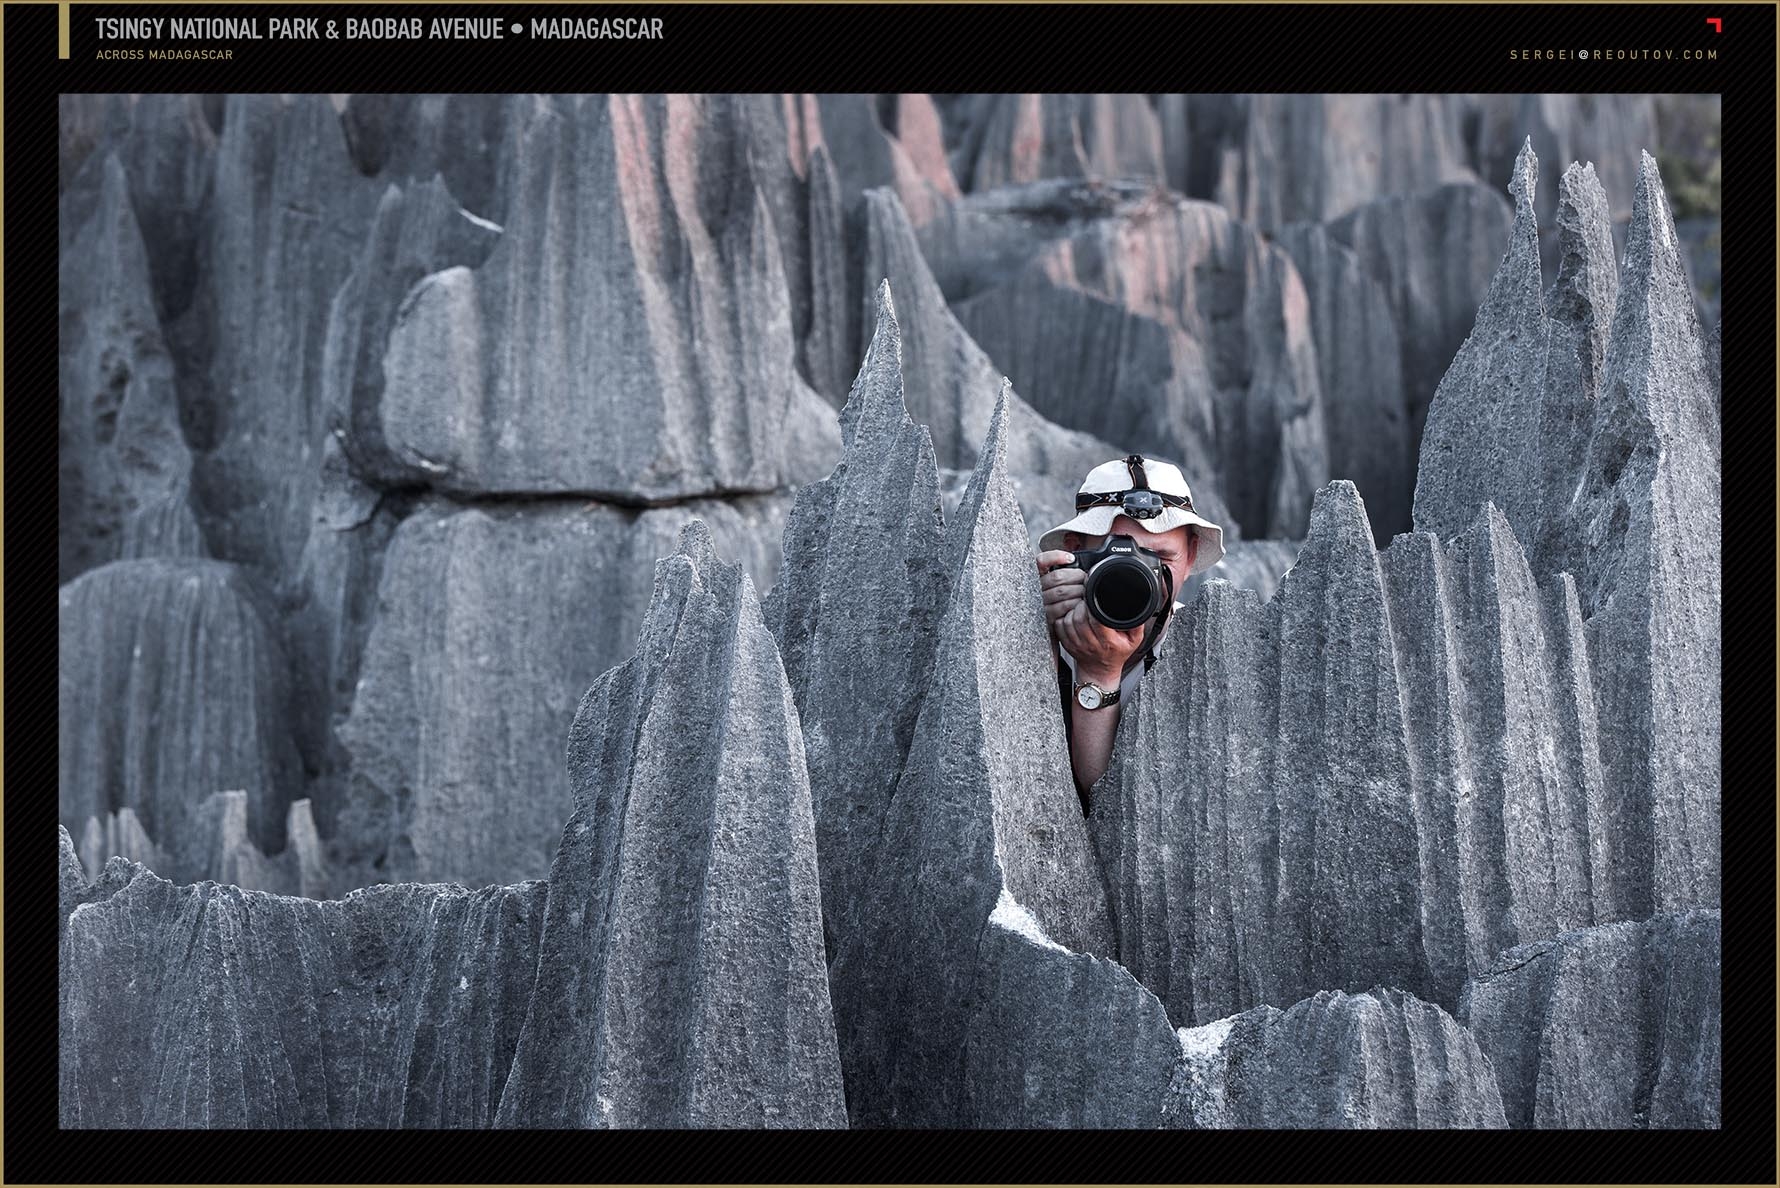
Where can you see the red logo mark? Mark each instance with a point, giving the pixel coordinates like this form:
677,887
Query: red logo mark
1717,24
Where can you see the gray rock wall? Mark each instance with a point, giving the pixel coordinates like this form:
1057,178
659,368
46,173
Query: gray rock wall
490,622
681,980
172,687
1616,1026
1380,1059
822,862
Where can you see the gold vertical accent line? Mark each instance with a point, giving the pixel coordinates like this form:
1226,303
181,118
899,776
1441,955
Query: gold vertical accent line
61,28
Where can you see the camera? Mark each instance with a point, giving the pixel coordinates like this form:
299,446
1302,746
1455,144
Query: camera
1127,585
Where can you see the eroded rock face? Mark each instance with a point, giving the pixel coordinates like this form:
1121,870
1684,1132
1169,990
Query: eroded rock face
1201,352
669,974
172,687
1616,1026
1379,1059
1022,138
212,1007
124,467
289,217
1308,794
681,979
969,976
1279,159
1599,421
863,584
215,846
1434,253
489,622
1365,403
948,382
639,349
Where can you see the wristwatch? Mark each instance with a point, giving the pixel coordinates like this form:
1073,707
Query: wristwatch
1090,696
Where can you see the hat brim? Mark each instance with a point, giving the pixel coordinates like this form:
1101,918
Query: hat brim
1098,521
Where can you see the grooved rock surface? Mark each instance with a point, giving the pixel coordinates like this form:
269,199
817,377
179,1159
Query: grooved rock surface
123,465
681,979
967,994
1387,773
489,623
1202,352
637,347
215,846
862,586
209,1006
416,231
1434,253
172,686
460,139
288,223
1365,404
1022,138
948,382
1256,565
1279,159
1599,422
1378,1059
1616,1026
669,974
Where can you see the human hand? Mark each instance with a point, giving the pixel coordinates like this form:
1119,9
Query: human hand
1100,651
1061,584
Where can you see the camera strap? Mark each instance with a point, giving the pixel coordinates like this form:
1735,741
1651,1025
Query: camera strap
1153,632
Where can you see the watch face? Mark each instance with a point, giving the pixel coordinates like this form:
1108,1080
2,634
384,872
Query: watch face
1088,696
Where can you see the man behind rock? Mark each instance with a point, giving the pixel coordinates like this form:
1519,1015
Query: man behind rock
1099,666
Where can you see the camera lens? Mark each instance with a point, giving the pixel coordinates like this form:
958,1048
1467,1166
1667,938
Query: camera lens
1121,592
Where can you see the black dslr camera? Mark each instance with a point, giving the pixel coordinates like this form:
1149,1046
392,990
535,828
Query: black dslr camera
1127,585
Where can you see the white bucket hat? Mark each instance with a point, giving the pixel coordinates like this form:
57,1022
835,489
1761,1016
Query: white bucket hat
1102,498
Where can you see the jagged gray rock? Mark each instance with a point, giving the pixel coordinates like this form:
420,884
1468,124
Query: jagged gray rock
1608,131
1648,515
1022,138
215,846
167,145
703,1001
416,231
1434,253
1307,794
948,382
489,622
1360,365
681,979
288,220
1379,1059
1616,1026
412,138
638,349
954,1004
861,589
172,686
123,463
1282,159
1486,419
1254,565
1201,352
1604,443
209,1006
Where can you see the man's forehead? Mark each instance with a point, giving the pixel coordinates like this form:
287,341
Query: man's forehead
1128,526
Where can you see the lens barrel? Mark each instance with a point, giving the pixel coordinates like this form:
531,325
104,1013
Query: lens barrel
1122,592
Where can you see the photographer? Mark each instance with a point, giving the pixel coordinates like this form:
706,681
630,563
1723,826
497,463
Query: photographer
1108,577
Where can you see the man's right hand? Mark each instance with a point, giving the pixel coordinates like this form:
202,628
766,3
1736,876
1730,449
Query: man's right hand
1061,584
